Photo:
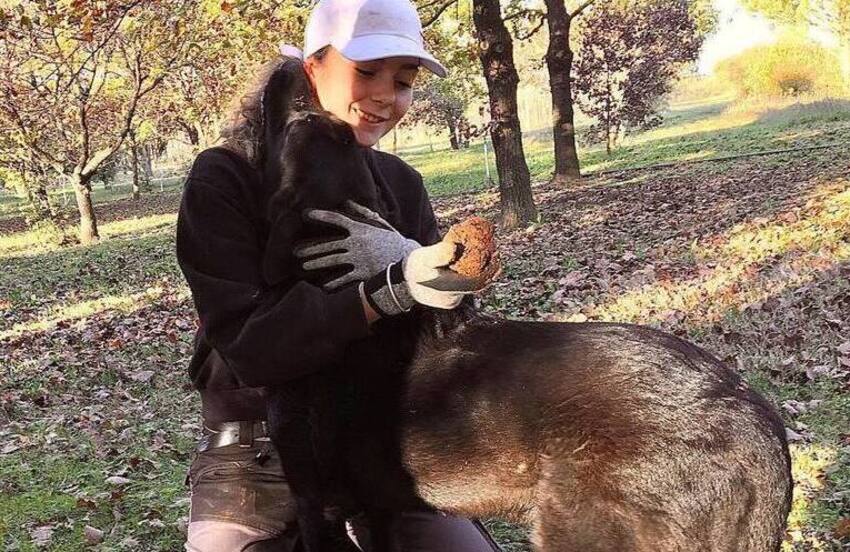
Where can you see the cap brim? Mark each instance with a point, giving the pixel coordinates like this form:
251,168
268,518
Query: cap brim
379,46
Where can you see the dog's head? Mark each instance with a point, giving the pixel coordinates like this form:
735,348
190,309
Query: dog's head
313,161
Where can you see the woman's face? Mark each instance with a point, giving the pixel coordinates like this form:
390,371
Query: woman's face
371,96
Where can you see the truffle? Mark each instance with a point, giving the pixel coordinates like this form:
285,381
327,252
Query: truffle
476,256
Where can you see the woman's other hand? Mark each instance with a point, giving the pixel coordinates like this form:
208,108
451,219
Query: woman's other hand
369,247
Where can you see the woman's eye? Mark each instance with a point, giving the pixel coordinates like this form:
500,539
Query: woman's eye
365,72
404,84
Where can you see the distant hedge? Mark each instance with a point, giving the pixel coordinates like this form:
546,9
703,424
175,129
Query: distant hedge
789,67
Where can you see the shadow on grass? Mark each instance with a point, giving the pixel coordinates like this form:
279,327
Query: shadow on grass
40,286
153,203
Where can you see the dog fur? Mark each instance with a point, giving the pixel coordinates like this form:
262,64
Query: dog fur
602,437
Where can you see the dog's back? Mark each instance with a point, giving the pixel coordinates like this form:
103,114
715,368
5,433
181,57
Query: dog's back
604,437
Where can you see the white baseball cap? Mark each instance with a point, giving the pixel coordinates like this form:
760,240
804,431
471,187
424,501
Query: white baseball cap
364,30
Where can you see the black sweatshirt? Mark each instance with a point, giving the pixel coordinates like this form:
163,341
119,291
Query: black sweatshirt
252,335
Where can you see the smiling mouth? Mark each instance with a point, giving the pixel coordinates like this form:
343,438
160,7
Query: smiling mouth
368,117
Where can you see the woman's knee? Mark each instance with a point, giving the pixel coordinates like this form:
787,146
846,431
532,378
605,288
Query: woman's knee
223,536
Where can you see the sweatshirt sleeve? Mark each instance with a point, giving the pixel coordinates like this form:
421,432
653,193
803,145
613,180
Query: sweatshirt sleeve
429,233
267,335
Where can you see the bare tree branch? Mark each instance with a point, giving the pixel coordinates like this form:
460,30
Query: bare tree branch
532,31
436,15
583,6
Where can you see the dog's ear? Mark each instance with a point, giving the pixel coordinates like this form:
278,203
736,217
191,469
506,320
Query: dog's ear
287,91
275,104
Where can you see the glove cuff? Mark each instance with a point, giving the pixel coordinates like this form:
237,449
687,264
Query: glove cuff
387,292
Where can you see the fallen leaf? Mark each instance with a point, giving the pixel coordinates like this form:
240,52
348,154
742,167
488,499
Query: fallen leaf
86,503
93,535
812,372
142,376
42,535
117,480
841,530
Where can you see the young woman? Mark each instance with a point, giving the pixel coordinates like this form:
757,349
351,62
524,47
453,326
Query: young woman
361,58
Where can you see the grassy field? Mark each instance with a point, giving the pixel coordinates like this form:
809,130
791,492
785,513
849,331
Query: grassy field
749,257
11,206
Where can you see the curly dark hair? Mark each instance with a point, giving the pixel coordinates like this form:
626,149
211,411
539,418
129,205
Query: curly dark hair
243,131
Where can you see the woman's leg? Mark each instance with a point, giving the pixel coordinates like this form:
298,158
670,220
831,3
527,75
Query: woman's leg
238,503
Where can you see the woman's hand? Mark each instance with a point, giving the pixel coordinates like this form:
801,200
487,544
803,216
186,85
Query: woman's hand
368,248
429,280
422,277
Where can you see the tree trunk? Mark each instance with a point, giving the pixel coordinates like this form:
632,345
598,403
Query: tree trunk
148,153
495,50
88,221
134,163
608,115
559,62
453,134
134,149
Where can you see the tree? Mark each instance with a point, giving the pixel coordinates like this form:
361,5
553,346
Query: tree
559,61
630,55
495,50
559,16
76,74
442,103
440,109
236,37
832,14
782,11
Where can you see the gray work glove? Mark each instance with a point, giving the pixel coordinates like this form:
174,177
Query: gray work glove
422,277
368,248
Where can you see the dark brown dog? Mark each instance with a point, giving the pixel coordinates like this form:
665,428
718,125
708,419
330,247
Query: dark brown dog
602,437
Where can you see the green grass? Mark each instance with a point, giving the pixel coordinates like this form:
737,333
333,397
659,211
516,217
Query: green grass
716,128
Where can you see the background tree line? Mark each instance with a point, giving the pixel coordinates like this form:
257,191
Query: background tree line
83,82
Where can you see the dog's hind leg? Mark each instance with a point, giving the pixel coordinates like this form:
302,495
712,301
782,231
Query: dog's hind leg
584,508
574,525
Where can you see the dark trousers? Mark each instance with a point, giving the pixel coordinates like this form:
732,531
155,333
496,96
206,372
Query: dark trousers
238,504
